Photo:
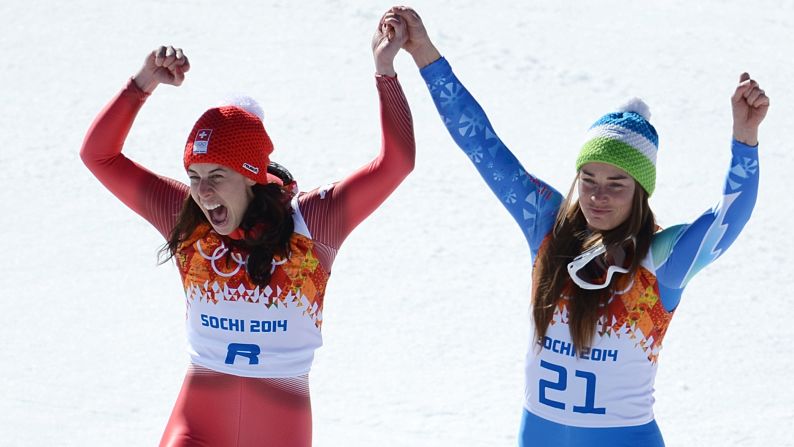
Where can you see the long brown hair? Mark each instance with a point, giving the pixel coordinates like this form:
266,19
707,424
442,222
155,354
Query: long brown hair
569,238
268,215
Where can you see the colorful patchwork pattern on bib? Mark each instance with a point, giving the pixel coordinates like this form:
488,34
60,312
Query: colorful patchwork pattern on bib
636,313
213,273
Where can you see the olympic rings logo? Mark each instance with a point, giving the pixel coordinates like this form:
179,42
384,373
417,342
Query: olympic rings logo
221,251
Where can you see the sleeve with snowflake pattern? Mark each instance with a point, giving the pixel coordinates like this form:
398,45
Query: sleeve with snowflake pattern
681,251
532,203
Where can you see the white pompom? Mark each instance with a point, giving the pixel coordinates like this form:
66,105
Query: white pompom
246,103
637,106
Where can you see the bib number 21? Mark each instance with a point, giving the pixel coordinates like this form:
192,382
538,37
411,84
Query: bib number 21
562,384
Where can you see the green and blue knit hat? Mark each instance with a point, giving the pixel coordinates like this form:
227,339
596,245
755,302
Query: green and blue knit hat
624,139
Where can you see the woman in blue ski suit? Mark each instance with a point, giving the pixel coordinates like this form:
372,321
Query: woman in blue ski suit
606,279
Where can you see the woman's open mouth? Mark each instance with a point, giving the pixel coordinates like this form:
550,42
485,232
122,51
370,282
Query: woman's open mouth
218,214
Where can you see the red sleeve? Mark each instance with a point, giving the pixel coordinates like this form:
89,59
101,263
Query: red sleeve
332,212
157,199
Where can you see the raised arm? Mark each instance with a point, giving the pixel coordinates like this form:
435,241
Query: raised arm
332,212
532,203
682,251
157,199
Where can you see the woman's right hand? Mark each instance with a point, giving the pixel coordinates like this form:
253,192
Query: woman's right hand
418,44
165,65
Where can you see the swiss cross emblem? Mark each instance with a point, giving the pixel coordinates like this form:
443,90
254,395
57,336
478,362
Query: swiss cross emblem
202,141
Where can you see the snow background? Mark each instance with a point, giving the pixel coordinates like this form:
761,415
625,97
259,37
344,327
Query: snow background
426,314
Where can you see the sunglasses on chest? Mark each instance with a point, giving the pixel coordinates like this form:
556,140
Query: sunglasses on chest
594,268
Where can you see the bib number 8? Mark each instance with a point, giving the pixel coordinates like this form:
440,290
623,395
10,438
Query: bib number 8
562,384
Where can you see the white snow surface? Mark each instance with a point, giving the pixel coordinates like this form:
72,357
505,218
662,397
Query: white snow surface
426,314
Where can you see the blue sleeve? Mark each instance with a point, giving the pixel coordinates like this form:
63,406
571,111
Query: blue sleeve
532,203
682,251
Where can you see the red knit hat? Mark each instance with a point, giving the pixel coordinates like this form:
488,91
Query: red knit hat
232,137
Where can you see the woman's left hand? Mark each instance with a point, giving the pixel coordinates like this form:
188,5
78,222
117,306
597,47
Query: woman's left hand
389,37
750,104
